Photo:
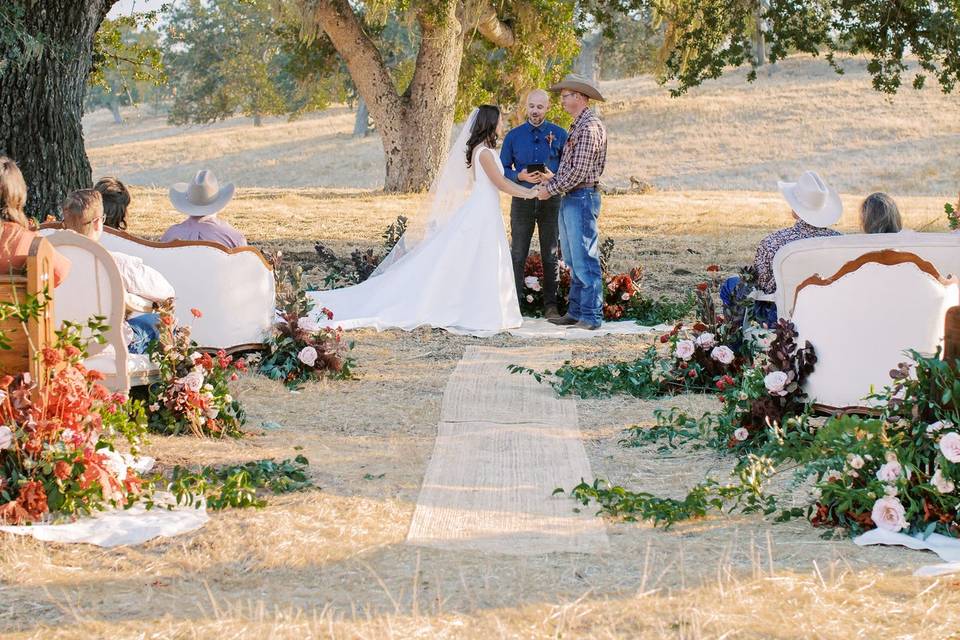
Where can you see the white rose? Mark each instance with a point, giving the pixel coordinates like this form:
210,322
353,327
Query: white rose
684,350
775,381
722,354
192,381
67,435
706,340
114,463
950,446
195,356
531,281
943,485
855,461
625,296
6,437
228,398
212,412
308,356
889,472
741,434
888,514
529,298
154,407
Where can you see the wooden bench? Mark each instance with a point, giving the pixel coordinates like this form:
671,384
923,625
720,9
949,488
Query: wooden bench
27,339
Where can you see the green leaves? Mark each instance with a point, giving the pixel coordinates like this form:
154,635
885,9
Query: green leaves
239,486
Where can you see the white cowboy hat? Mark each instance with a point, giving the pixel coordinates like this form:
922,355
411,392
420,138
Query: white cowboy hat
578,83
202,197
812,199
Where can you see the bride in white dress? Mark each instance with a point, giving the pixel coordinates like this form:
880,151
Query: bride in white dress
452,267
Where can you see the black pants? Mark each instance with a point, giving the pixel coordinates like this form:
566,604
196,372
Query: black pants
524,215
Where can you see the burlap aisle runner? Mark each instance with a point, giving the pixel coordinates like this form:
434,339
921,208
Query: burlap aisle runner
504,443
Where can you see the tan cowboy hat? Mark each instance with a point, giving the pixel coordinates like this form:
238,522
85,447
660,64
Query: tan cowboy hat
202,197
812,199
577,83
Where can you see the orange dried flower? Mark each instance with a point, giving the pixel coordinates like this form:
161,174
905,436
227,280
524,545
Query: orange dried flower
196,312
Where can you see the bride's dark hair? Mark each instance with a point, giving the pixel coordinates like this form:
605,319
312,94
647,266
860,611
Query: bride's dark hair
484,129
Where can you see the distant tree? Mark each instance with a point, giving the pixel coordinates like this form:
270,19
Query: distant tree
228,57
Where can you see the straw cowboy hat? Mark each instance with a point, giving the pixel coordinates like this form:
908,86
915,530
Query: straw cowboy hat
577,83
812,199
202,197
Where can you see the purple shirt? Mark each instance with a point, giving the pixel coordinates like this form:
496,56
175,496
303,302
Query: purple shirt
208,228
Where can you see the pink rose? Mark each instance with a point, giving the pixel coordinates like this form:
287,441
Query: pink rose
774,382
706,340
6,437
888,514
308,356
722,354
943,485
889,472
192,381
684,349
741,434
950,446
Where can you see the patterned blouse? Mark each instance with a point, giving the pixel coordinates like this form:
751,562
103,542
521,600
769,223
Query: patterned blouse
584,156
772,243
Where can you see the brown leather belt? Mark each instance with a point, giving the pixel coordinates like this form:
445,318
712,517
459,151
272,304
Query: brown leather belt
584,185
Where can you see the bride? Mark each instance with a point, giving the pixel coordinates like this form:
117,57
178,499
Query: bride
452,267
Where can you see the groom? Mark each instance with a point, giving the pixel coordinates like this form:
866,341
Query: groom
578,179
531,155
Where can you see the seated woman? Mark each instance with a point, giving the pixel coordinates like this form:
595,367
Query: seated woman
815,207
83,213
16,235
116,201
879,214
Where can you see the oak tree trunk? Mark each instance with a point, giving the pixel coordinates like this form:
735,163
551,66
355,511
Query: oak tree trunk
41,100
361,124
414,127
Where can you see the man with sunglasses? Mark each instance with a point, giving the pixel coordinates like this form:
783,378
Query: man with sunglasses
530,156
578,179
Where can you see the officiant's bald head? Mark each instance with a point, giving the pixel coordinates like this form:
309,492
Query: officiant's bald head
538,103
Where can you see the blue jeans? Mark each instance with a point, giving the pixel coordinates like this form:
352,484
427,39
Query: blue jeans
144,328
764,312
579,211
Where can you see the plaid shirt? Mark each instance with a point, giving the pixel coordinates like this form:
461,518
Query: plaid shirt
584,156
771,244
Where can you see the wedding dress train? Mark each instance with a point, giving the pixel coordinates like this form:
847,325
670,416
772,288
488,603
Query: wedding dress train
460,277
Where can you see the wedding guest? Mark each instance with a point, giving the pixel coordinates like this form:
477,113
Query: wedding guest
815,208
116,201
879,214
83,213
535,142
16,235
201,200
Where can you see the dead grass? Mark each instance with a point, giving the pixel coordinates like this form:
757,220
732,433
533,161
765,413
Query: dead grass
725,135
332,562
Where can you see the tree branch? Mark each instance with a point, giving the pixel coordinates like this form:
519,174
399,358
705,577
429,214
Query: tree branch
482,16
363,59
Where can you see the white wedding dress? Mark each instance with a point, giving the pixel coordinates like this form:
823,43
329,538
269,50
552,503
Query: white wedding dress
459,277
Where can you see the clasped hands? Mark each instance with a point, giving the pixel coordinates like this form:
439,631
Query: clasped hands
538,178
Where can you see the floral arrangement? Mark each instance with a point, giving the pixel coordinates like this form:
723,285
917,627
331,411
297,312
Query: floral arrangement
301,348
620,292
57,444
362,263
192,395
531,303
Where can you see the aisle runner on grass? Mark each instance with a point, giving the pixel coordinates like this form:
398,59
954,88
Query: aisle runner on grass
504,443
541,328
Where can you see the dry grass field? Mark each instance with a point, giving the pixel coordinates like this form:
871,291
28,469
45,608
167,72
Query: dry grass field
332,563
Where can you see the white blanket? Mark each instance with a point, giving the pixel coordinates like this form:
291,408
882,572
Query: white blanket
947,548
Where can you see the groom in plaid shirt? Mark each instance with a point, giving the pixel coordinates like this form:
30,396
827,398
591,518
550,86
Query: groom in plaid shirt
578,180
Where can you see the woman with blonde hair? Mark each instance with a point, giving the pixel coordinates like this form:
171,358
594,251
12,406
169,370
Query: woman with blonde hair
879,214
15,232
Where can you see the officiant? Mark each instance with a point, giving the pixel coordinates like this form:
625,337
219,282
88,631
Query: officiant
531,155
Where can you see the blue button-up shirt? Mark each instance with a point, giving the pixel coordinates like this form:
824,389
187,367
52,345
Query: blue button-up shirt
528,144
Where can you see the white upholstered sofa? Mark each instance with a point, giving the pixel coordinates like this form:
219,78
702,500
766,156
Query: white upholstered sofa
232,288
862,301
